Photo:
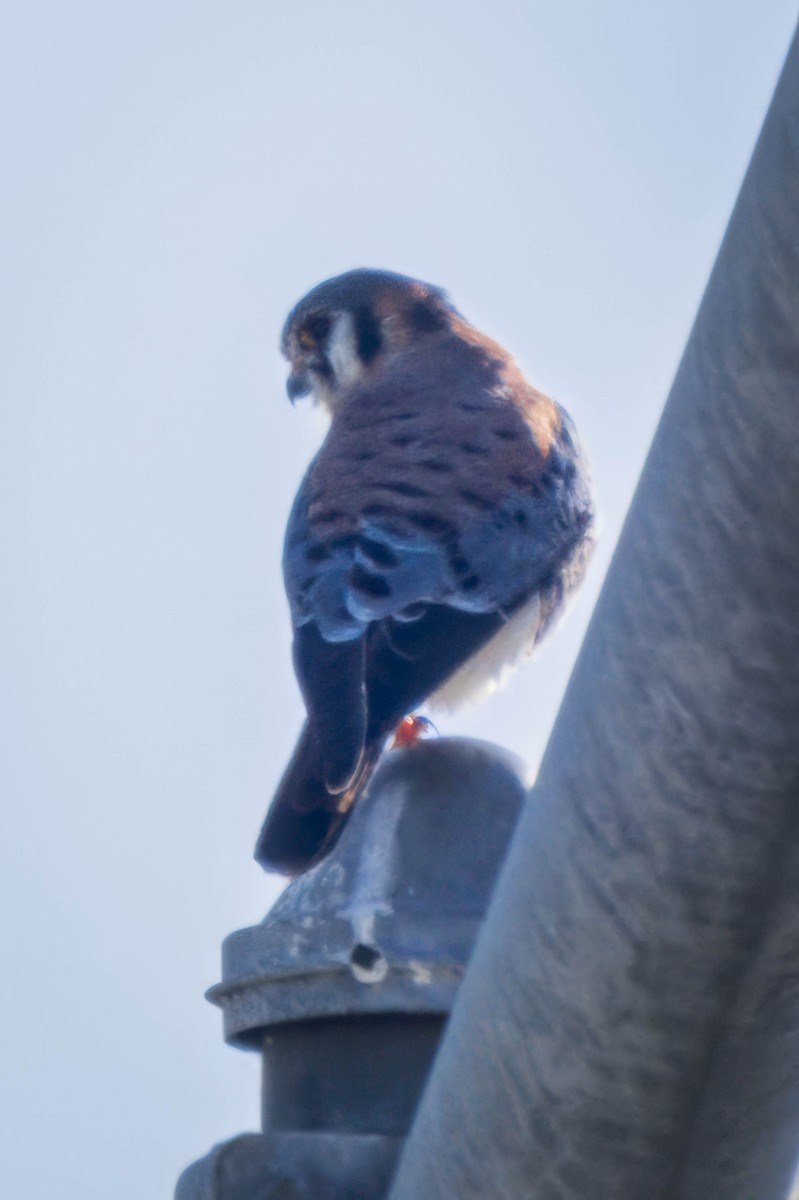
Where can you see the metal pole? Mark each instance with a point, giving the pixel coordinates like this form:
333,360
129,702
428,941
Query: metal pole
647,878
346,985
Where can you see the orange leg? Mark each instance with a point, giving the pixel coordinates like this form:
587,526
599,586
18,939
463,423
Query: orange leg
411,730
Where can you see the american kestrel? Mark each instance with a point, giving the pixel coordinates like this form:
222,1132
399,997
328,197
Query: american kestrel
431,542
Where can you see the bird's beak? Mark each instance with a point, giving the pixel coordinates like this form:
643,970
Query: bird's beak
298,384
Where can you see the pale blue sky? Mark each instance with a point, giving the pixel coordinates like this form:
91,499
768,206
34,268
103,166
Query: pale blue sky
174,176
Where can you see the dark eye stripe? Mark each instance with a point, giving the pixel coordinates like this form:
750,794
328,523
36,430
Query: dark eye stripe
368,338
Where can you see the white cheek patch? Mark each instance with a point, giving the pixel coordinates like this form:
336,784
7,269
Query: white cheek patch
342,353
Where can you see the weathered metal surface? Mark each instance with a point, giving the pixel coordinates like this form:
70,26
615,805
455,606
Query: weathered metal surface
346,985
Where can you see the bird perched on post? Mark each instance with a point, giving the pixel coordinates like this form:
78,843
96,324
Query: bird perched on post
431,542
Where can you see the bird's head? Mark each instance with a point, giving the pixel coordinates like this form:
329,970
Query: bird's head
348,327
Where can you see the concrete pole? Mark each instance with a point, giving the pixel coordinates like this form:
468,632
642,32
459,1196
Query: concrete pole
616,1027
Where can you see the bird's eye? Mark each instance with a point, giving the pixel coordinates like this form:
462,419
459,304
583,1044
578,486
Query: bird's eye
315,330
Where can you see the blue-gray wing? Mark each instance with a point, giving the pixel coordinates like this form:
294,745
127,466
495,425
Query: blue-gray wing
383,544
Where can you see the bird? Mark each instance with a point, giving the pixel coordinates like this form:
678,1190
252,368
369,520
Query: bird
434,537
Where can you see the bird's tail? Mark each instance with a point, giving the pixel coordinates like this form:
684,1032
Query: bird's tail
304,820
